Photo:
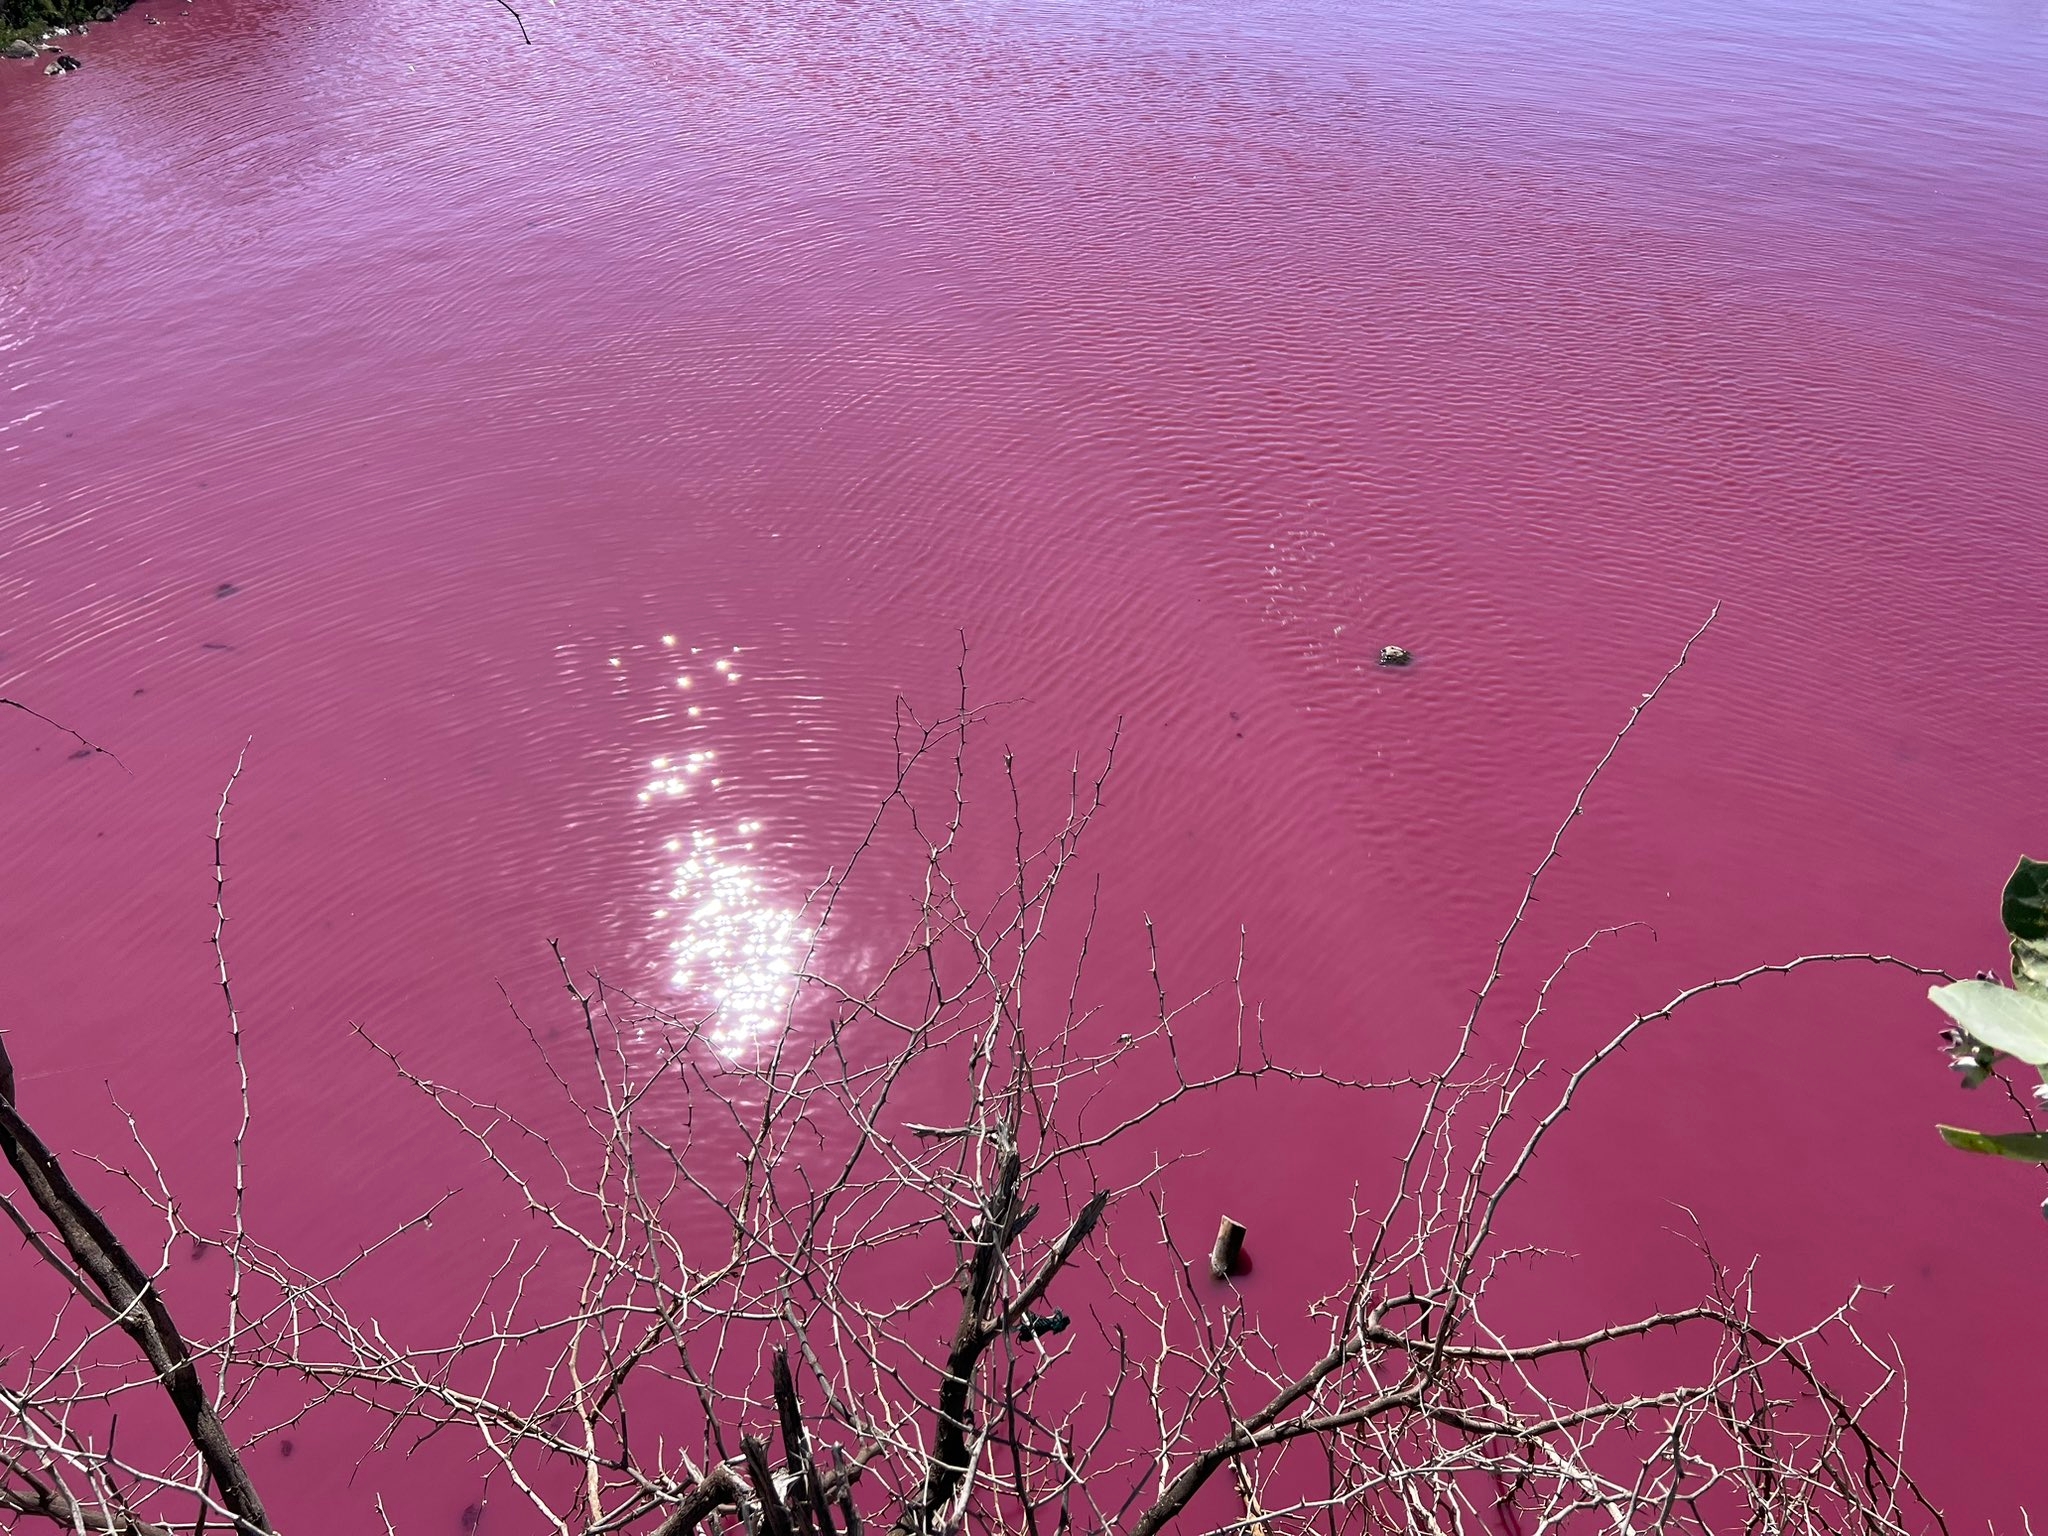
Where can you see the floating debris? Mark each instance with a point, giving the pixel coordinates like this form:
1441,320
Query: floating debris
1227,1257
1394,656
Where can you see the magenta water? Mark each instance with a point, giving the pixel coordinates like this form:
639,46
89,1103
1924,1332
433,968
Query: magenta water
553,461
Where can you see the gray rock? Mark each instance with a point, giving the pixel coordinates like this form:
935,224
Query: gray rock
20,48
1394,656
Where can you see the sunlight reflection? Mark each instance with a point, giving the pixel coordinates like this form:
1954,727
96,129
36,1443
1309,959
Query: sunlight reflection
733,948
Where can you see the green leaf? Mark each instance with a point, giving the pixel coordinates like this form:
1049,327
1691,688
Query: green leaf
2025,907
2020,1146
2024,910
2003,1019
2030,968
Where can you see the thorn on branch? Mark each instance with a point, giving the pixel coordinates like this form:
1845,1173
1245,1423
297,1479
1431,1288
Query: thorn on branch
842,1479
91,748
121,1289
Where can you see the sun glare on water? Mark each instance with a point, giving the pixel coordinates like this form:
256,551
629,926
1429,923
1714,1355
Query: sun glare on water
733,946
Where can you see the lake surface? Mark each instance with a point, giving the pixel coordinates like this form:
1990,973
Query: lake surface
492,435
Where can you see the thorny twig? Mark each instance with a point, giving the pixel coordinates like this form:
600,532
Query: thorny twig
848,1235
87,746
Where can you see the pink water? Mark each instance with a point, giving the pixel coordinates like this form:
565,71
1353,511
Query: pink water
1181,354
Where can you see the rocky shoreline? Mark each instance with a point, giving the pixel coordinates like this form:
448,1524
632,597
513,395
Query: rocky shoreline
42,29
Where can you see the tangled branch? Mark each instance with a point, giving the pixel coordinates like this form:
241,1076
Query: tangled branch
838,1267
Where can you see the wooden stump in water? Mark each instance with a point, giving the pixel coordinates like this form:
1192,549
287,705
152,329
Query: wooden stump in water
1229,1244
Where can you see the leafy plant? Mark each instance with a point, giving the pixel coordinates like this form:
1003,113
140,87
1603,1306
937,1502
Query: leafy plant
2024,911
1990,1020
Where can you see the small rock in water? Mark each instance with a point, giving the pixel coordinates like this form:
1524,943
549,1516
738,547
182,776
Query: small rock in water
1394,656
64,65
20,48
